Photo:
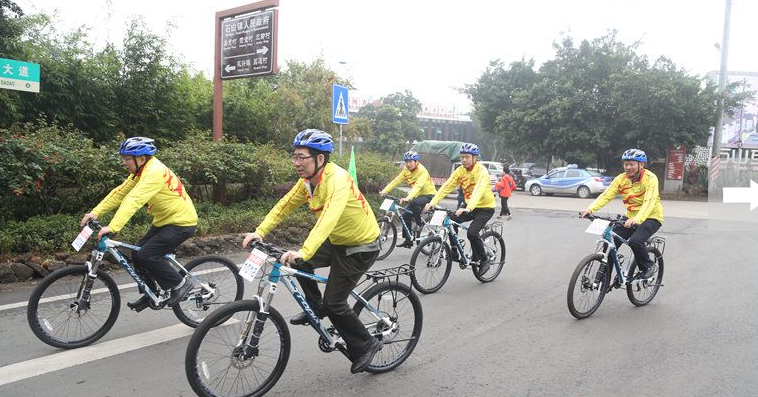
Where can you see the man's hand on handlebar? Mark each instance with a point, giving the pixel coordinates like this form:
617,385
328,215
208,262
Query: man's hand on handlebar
584,213
290,258
250,237
87,217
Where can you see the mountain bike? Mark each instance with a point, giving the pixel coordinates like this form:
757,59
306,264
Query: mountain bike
433,258
77,305
243,348
388,230
586,292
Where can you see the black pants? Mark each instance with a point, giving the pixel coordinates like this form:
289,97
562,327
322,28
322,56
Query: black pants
478,218
157,242
639,234
504,210
414,212
344,274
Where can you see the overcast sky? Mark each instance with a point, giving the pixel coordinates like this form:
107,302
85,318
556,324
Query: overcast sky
431,47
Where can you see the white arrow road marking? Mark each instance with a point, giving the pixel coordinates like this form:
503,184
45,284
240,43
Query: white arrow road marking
742,195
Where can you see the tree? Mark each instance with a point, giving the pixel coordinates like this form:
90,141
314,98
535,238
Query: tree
393,123
594,100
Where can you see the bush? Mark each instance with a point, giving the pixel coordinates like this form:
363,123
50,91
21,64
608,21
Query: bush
47,169
374,171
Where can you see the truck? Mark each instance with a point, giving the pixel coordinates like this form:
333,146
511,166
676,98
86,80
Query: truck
441,158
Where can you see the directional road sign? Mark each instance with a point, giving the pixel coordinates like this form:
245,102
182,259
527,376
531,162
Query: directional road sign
17,75
248,45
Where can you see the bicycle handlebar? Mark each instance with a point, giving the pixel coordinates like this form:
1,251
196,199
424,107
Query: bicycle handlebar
273,250
617,219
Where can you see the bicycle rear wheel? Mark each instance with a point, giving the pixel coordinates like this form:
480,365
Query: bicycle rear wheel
640,293
58,319
219,361
387,238
583,298
431,262
494,245
218,273
397,302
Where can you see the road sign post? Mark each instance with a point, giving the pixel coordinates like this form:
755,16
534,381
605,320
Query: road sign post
340,110
245,46
19,75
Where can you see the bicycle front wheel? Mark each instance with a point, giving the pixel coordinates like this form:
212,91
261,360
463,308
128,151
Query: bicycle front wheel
387,238
220,360
431,262
583,297
56,316
640,293
396,302
222,284
494,245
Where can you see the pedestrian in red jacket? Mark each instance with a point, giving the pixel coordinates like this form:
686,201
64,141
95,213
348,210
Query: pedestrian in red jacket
504,187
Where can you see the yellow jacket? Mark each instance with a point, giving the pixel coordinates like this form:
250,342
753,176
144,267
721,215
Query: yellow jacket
477,189
155,186
419,180
640,198
344,215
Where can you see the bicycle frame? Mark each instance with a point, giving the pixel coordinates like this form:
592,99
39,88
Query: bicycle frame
285,275
607,247
398,210
106,245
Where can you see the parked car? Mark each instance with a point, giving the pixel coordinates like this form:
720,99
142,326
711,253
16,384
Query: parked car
569,180
529,170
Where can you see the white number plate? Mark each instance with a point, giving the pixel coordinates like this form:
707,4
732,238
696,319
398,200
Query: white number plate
597,227
82,238
386,205
438,218
253,264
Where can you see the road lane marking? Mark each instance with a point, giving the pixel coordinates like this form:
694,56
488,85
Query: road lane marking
16,305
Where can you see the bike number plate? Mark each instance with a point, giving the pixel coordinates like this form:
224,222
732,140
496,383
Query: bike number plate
438,218
253,264
82,238
597,227
386,205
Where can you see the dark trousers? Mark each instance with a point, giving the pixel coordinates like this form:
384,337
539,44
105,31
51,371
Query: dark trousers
157,242
344,274
414,212
639,234
504,210
478,218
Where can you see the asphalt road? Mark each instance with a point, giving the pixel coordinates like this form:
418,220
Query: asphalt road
511,337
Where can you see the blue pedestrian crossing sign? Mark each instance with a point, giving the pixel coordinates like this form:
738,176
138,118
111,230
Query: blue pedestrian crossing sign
17,75
339,104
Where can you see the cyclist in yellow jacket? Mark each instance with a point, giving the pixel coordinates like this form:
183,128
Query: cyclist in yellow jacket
151,184
474,180
422,191
638,188
344,238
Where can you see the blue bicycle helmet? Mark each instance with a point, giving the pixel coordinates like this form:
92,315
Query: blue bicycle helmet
314,139
138,146
634,155
411,155
470,148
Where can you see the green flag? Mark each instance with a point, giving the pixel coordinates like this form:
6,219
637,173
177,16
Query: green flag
351,167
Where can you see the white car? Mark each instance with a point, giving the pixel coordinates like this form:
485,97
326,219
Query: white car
569,180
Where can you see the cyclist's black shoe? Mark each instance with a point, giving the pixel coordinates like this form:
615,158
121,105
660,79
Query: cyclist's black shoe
407,243
362,362
180,294
302,318
140,304
647,273
484,266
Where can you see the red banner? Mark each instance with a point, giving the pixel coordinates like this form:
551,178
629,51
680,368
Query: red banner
675,163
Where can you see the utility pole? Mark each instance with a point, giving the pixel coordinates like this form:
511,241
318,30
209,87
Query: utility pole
722,81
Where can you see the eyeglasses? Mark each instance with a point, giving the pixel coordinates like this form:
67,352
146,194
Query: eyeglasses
299,159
